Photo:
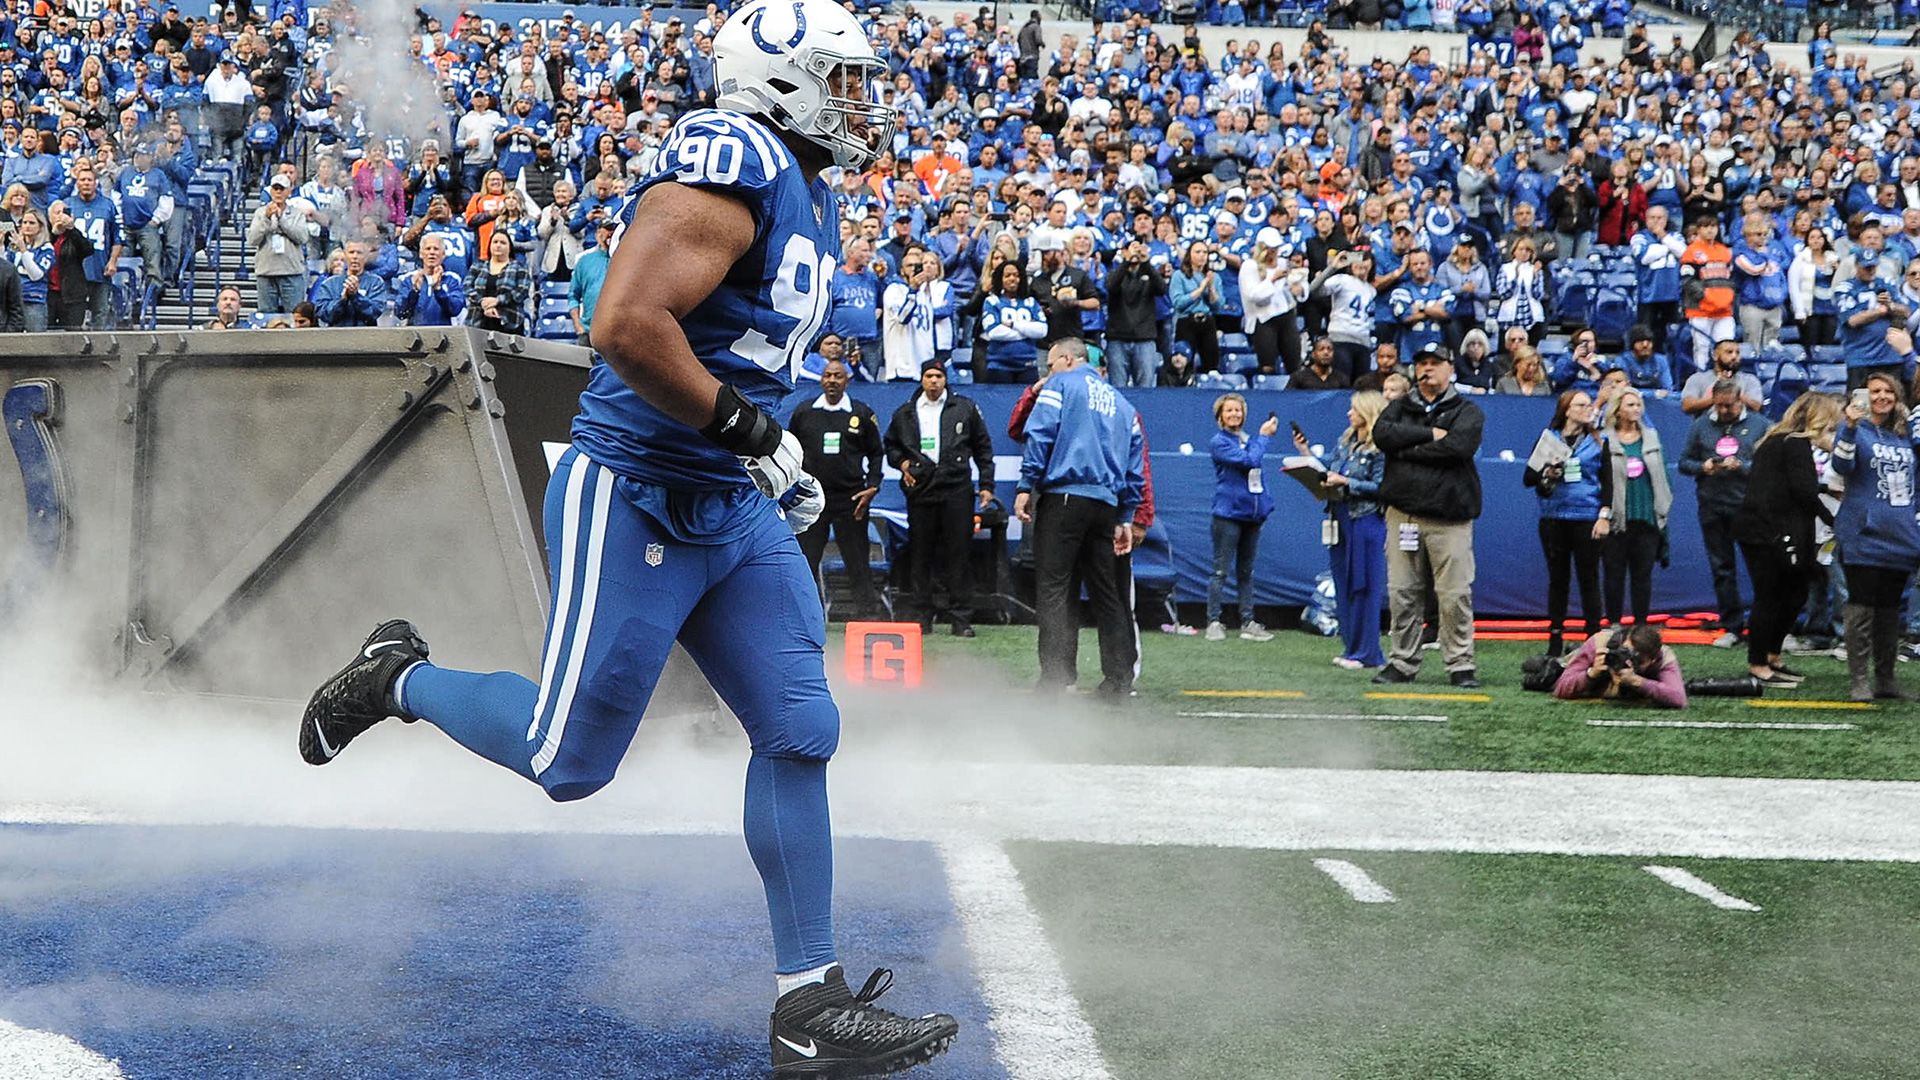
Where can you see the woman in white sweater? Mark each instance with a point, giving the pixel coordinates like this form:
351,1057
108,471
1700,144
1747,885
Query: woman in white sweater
1271,289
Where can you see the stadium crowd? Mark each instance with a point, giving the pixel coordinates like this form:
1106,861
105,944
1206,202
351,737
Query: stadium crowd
1314,219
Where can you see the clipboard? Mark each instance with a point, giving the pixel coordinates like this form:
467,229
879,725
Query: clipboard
1550,449
1312,475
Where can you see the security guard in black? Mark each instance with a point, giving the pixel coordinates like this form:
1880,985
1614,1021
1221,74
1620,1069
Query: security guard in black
840,440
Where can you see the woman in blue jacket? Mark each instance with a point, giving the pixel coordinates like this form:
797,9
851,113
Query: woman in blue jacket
1572,494
1240,506
1357,532
1875,529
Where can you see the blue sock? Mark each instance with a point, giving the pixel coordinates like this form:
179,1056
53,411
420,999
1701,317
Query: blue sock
487,714
790,837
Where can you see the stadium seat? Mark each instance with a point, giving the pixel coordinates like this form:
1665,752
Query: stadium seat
1613,314
1268,382
1239,363
1216,380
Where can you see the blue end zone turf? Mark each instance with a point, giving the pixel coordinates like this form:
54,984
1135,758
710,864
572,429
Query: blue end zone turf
216,953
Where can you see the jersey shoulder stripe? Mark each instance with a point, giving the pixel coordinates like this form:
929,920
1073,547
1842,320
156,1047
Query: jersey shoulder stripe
716,148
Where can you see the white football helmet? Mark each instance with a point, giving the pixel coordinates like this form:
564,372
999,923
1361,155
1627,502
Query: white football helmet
799,63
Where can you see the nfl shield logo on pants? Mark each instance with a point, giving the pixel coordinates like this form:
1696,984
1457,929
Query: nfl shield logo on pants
655,553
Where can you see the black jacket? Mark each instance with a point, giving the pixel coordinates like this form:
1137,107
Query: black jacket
13,312
855,463
1063,320
964,440
1130,293
1425,477
1783,499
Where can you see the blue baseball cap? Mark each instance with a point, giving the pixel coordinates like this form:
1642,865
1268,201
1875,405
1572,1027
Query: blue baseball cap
1866,257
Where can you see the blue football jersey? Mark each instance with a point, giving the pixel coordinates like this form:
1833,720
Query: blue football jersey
754,331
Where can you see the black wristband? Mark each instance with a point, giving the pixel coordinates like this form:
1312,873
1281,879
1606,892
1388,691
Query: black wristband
740,427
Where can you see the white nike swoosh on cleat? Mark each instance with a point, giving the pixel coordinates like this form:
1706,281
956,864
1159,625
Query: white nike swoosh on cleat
377,646
810,1050
325,747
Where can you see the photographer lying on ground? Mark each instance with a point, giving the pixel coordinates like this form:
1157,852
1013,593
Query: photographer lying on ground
1628,664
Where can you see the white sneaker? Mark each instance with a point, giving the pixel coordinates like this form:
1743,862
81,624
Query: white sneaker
1253,631
1216,632
1728,640
1347,662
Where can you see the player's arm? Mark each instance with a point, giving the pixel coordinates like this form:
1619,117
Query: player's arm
700,235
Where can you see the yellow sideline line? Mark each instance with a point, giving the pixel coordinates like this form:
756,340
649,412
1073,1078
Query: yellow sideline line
1790,703
1246,693
1394,695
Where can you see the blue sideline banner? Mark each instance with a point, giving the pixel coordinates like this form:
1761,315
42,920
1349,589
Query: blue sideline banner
613,20
1512,576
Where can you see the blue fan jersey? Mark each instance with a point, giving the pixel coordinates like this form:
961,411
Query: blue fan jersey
753,332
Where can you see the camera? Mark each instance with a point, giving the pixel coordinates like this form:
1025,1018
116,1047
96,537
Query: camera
1619,659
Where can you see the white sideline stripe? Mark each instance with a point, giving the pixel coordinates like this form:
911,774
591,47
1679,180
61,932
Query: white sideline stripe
1420,718
1652,818
43,1055
1038,1027
1686,882
1357,882
583,626
1720,725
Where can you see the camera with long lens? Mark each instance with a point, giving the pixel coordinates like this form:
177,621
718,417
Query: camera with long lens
1619,659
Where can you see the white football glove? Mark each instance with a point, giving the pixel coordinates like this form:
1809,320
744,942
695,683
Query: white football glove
804,503
777,472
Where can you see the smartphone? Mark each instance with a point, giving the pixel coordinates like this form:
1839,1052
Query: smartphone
1861,399
999,215
1295,425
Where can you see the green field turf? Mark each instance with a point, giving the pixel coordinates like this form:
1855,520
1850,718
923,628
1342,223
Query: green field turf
1515,730
1225,964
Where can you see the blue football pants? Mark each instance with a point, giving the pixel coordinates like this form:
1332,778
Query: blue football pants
623,590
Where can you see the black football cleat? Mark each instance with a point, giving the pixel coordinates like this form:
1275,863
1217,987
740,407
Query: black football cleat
360,696
824,1031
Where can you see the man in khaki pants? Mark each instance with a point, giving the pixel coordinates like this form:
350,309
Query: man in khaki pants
1432,492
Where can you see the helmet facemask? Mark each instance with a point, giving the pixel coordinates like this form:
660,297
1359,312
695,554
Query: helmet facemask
834,125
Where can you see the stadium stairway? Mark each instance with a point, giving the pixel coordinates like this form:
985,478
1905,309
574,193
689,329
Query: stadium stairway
188,304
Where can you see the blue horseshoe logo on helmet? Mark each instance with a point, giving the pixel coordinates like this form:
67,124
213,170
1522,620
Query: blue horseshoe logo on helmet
792,43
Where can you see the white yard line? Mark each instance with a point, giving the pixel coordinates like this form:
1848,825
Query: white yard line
1038,1028
1720,725
43,1055
1357,882
1686,882
1205,806
1420,718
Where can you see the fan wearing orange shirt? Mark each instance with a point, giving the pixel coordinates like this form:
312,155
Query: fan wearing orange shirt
485,206
1710,311
936,166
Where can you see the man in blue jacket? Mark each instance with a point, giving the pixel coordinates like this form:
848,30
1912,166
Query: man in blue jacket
1081,477
352,297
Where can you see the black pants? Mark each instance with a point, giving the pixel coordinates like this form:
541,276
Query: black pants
1779,592
1716,531
939,528
1355,360
1657,318
1875,586
1630,553
1204,336
1073,537
851,535
1277,339
1818,330
1572,553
